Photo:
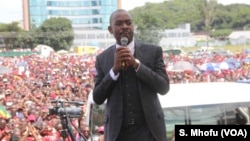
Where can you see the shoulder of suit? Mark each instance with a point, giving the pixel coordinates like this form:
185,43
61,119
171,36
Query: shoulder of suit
142,43
107,51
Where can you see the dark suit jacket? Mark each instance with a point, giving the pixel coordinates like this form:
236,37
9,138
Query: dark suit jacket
152,80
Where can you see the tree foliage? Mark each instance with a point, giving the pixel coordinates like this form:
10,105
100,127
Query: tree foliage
9,34
147,28
221,34
149,20
208,10
203,15
57,33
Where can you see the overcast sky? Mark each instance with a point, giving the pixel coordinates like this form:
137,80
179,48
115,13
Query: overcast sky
11,10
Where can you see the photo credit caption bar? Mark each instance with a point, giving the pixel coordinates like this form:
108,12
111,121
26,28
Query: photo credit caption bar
214,132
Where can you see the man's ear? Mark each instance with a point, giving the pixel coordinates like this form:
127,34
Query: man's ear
110,29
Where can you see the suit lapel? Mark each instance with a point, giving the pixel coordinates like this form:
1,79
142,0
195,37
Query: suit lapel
111,61
139,55
138,51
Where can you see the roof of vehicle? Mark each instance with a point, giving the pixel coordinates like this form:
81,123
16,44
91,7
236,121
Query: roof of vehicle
205,93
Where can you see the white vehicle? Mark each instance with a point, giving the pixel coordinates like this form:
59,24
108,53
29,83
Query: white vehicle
195,103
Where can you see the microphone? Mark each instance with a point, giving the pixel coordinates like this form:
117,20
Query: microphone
124,42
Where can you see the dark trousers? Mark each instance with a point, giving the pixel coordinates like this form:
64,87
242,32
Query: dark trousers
135,132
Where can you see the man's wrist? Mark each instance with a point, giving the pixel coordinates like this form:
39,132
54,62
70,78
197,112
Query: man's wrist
136,64
115,72
113,75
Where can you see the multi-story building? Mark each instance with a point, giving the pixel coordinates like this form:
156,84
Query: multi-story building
90,18
178,37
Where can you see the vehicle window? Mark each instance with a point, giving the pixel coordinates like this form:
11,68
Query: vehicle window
174,116
205,114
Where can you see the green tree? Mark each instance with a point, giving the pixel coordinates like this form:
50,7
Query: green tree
28,39
9,34
55,32
208,9
221,34
203,15
241,16
147,28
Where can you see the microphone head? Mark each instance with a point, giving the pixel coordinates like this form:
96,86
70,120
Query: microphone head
124,41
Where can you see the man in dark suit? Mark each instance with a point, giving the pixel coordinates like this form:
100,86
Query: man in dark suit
129,77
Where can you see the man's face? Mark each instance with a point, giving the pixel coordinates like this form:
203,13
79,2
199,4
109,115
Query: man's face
2,124
121,26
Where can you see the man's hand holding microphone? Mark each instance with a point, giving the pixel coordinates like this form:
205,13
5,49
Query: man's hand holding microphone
123,57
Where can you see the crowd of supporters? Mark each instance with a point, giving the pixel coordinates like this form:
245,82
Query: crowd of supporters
28,89
30,83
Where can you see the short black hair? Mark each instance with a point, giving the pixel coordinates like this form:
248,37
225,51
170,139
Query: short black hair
116,11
